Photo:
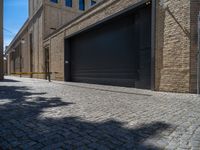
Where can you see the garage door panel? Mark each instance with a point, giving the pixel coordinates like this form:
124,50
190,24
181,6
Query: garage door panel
107,81
105,75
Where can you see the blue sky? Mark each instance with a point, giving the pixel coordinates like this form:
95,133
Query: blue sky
15,14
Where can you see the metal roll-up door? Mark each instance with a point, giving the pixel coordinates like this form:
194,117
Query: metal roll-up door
115,52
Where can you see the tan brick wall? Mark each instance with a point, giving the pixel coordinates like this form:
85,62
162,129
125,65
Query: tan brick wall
195,8
109,8
41,19
41,63
57,57
56,15
173,46
36,47
25,53
34,5
11,66
36,29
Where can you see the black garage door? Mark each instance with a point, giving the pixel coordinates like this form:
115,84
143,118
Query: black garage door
116,52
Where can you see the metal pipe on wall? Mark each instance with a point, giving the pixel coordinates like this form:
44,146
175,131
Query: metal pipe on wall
198,57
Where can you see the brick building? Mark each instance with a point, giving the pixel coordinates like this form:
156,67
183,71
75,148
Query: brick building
1,39
138,43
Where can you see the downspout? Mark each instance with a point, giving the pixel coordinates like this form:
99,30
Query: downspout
153,44
198,57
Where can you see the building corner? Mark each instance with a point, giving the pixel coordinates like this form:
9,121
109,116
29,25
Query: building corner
1,41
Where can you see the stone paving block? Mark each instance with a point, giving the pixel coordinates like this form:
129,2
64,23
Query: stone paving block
72,117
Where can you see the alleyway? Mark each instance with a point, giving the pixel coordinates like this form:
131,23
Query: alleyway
36,114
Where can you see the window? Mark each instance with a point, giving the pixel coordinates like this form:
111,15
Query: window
93,2
82,4
54,1
68,3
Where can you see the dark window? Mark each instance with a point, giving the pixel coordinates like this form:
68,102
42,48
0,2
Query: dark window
82,4
68,3
54,1
93,2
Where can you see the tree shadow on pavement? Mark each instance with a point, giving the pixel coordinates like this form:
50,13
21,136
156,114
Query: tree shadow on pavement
16,93
22,127
8,80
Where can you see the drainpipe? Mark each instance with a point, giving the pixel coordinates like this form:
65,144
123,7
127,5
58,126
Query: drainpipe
198,59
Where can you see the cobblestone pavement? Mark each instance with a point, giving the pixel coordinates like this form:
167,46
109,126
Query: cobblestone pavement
36,114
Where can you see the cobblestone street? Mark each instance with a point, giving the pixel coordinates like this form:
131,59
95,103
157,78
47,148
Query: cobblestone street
36,114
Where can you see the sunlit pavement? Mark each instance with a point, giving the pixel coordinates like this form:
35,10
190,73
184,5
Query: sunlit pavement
36,114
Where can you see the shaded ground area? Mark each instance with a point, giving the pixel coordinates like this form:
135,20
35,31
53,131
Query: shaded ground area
35,114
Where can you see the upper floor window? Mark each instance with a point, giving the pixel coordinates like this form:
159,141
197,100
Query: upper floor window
93,2
68,3
54,1
82,4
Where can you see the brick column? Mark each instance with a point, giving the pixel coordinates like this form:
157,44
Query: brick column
173,46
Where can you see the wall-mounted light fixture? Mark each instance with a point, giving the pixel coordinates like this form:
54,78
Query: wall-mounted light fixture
23,41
